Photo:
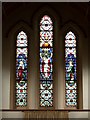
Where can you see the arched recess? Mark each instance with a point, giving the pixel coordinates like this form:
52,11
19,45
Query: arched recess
80,36
12,37
47,10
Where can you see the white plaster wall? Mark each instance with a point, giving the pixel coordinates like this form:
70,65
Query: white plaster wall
6,76
89,90
78,115
89,79
13,115
6,90
0,59
85,73
85,89
21,115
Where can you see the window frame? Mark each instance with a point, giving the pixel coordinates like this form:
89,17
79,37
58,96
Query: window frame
77,32
12,36
61,30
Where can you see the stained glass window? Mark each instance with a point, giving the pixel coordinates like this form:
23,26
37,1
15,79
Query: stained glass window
46,62
70,70
21,69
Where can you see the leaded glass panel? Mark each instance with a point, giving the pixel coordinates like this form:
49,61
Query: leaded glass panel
70,70
46,62
21,69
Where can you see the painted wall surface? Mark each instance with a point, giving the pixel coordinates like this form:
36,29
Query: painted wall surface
13,115
0,59
71,115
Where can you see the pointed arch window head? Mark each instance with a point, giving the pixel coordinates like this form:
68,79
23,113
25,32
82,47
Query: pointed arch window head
70,70
21,69
46,32
22,39
46,62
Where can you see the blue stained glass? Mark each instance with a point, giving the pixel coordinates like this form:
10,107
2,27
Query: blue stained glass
46,55
43,77
46,75
70,76
46,82
70,56
21,56
70,59
46,52
21,63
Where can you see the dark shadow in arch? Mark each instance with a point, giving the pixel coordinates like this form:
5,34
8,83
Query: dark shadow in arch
21,24
75,27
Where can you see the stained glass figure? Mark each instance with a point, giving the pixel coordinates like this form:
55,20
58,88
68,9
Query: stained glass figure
71,70
21,69
46,62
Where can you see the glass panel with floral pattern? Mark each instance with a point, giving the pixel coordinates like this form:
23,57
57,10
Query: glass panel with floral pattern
21,69
46,62
70,70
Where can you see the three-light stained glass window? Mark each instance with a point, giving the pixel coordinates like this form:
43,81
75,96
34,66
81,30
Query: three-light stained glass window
70,70
46,62
21,69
